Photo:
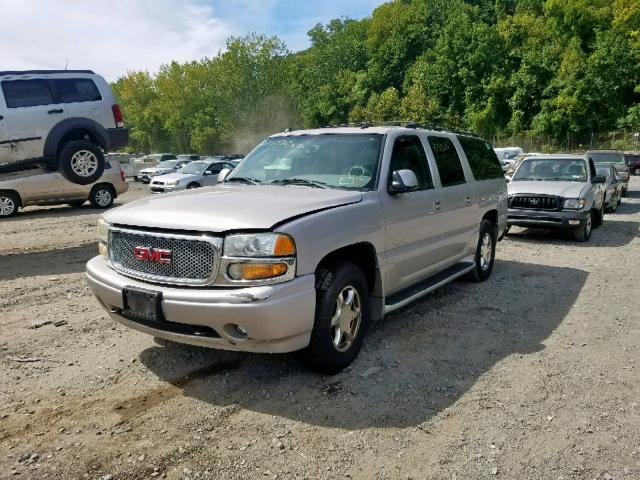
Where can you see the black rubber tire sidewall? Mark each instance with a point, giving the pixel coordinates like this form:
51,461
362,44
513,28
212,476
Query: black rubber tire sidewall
193,185
478,274
580,232
597,218
95,191
321,355
16,204
64,161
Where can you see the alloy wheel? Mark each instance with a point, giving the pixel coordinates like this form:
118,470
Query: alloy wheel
103,197
486,251
345,322
84,163
7,206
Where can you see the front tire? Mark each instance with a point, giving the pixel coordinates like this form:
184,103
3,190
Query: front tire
583,232
343,312
598,216
9,204
81,162
193,185
102,196
485,253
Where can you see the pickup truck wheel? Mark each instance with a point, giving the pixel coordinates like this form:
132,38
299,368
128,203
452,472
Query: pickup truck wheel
598,216
342,317
485,253
81,162
583,232
102,196
8,205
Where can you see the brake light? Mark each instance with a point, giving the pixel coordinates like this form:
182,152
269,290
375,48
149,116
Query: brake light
123,177
117,115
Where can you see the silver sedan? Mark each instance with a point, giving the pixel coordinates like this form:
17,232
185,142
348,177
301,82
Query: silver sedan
196,174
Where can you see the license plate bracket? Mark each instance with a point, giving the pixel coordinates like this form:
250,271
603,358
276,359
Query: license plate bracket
142,304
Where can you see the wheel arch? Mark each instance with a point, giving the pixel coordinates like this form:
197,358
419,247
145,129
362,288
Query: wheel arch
13,192
75,129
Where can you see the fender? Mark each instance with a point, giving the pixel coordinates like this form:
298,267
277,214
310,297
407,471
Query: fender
56,134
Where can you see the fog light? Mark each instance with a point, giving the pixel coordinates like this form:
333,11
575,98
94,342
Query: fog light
256,271
574,222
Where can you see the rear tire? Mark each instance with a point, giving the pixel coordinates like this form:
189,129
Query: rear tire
9,204
81,162
485,253
583,232
102,196
343,312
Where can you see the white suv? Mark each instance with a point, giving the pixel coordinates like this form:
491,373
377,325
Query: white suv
62,119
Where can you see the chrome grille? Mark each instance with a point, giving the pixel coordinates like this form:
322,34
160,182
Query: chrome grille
535,202
194,259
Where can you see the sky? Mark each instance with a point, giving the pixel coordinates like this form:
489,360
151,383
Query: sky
112,37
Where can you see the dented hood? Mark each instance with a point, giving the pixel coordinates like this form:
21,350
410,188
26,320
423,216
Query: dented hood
228,207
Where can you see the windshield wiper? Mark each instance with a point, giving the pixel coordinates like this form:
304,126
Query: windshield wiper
247,180
301,181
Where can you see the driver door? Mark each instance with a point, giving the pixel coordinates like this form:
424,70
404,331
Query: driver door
212,177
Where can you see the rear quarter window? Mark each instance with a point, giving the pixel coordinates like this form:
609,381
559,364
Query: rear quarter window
483,160
27,93
74,90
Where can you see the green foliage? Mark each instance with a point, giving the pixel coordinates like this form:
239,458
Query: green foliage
559,68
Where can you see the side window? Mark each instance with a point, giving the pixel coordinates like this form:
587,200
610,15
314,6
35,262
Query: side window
72,90
27,93
408,154
483,160
447,160
214,168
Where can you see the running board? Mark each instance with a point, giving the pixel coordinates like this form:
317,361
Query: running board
420,289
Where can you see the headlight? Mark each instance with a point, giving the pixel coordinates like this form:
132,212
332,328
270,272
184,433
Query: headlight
574,203
259,245
172,183
103,237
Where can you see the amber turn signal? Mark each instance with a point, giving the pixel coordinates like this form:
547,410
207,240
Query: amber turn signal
284,247
256,271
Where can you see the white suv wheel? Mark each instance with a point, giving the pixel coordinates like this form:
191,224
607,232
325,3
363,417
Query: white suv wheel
84,163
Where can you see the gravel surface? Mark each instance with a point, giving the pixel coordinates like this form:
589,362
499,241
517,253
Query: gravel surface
530,375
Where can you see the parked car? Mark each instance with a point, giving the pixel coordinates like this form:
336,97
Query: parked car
126,160
196,174
40,186
151,161
617,158
167,166
557,191
633,162
63,120
369,220
507,156
189,157
613,185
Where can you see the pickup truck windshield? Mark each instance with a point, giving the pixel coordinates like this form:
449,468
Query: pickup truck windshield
347,161
552,169
607,157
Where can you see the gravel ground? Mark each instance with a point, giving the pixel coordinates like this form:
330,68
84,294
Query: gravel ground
530,375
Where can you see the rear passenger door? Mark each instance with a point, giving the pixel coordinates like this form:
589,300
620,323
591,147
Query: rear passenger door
80,97
414,227
458,209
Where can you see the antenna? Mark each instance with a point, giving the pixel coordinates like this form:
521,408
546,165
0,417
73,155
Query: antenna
66,65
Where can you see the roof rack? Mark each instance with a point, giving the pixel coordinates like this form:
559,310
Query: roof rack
42,72
405,124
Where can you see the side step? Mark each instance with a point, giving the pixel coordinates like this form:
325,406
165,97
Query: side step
420,289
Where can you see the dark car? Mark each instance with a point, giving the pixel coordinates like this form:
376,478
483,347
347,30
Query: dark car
633,162
618,159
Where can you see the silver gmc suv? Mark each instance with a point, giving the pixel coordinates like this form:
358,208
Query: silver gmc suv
314,235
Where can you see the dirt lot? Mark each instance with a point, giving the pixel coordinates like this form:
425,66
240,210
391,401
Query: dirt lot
531,375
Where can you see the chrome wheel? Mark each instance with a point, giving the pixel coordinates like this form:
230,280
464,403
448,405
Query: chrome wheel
84,163
346,318
7,206
486,250
103,198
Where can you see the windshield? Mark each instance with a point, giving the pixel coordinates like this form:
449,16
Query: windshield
552,169
168,164
607,157
603,170
347,161
195,168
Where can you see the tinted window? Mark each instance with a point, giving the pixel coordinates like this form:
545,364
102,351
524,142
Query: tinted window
27,93
215,168
482,158
72,90
408,154
447,160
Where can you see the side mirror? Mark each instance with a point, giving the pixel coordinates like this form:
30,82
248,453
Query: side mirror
599,179
403,181
223,174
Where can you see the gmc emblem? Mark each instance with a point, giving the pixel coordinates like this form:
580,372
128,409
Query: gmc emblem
155,255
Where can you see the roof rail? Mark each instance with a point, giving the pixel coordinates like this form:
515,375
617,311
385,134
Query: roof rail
406,124
42,72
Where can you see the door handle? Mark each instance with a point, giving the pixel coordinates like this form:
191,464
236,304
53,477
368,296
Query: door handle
467,200
55,110
437,206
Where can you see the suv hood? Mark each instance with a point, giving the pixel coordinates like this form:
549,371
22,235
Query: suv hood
560,189
228,207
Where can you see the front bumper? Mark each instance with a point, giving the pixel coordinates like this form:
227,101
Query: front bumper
277,318
165,188
118,137
546,219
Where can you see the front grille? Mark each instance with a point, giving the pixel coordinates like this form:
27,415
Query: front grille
535,202
194,260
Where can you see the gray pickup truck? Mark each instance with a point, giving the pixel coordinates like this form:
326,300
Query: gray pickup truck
314,235
557,191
